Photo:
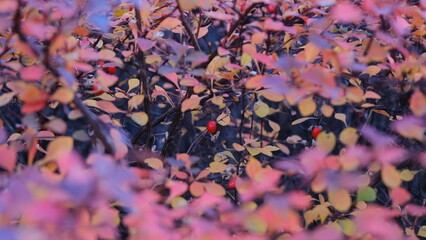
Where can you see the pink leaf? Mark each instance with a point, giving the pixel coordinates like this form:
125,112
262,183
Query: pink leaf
8,158
32,73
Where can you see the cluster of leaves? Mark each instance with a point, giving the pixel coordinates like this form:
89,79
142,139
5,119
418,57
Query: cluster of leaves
320,108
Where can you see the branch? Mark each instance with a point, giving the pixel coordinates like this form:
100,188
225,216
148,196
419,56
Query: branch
144,78
188,28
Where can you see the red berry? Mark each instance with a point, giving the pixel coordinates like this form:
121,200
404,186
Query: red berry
271,7
231,183
316,131
211,127
112,70
243,7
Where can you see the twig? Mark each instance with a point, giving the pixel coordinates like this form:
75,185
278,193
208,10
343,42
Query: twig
188,28
196,142
144,78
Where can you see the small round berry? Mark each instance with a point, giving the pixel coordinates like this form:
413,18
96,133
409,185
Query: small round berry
211,127
243,7
232,183
272,8
316,131
112,70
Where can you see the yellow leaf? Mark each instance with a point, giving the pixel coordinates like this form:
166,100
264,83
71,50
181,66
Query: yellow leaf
188,5
275,126
63,95
135,101
340,199
223,119
372,70
422,231
390,176
300,120
327,110
253,151
349,136
190,103
261,109
141,118
238,147
347,226
245,59
215,64
217,167
255,224
307,106
178,202
354,94
133,82
326,141
60,146
407,175
154,163
341,117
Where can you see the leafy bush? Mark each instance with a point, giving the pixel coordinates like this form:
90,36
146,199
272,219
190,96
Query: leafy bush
193,119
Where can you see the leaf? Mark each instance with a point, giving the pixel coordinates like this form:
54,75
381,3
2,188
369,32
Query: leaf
141,118
58,147
407,175
238,147
307,106
300,120
63,95
372,70
133,82
178,202
326,141
255,224
341,117
190,103
177,188
311,52
349,136
399,196
135,101
340,199
422,231
5,98
215,64
253,167
390,176
215,189
196,189
217,167
366,194
418,103
355,94
261,109
154,163
8,158
347,226
223,119
108,107
32,73
275,126
245,59
327,110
